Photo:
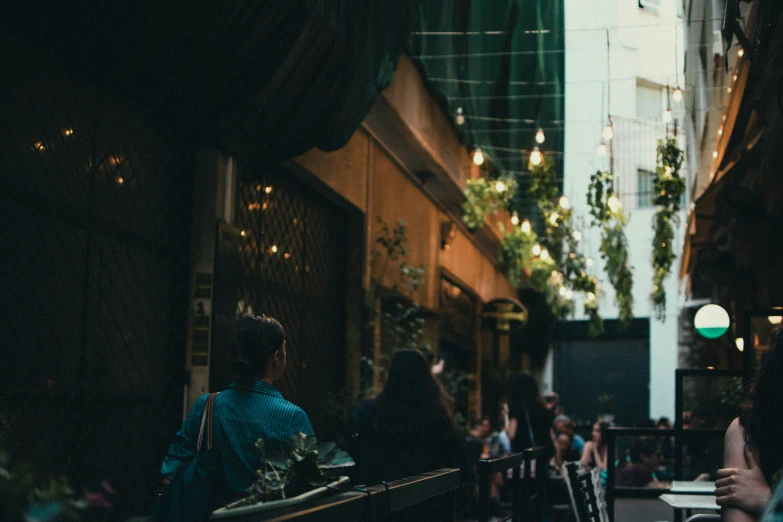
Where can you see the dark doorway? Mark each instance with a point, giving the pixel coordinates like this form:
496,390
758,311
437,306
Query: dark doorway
609,375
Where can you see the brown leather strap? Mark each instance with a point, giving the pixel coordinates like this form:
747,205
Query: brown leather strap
206,421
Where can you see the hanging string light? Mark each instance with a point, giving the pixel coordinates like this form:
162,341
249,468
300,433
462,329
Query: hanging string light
564,203
667,116
677,94
608,132
540,138
544,254
536,157
515,218
478,157
614,203
589,261
459,118
577,235
536,249
601,151
526,228
500,187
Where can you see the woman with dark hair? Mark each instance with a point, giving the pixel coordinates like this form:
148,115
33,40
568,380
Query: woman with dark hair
249,409
529,419
753,452
645,458
595,453
407,430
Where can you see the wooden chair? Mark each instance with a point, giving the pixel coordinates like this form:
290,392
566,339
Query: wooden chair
584,488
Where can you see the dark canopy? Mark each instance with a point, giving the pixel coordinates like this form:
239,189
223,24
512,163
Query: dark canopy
270,78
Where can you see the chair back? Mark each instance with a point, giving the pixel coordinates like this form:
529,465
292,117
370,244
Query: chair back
570,472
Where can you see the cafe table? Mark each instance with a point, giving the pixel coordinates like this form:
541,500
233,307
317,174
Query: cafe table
689,502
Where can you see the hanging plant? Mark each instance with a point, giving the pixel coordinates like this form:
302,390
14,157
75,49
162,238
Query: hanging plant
516,253
607,213
486,197
669,188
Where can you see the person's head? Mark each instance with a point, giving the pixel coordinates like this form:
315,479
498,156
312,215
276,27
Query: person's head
563,442
524,392
563,424
481,428
663,423
412,403
600,433
761,419
551,400
258,347
646,451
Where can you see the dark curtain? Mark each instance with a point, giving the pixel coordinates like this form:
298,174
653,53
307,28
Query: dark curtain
269,79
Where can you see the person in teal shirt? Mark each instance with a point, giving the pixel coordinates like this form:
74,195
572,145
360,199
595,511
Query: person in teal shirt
249,409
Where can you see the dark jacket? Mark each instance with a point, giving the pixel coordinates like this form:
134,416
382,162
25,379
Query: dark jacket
380,457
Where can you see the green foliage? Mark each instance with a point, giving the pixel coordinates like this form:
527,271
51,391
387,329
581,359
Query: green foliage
24,497
483,199
305,465
614,244
516,253
669,188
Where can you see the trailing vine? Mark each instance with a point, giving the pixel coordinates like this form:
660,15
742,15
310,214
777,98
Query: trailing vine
486,197
669,188
607,213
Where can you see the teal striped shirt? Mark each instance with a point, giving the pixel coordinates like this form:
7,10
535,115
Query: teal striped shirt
241,415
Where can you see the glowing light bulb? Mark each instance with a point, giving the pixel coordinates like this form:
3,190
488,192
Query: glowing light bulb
544,254
714,153
459,118
720,131
564,203
728,90
608,132
677,95
536,249
775,319
515,219
500,187
274,249
563,291
667,172
613,203
601,151
540,138
590,296
667,116
243,233
120,180
569,294
268,189
577,235
740,342
536,157
526,228
589,261
68,132
741,52
478,157
553,218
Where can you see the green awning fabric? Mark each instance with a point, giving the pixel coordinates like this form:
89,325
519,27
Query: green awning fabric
271,79
503,63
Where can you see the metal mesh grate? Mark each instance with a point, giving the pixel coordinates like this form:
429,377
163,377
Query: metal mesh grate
292,259
94,201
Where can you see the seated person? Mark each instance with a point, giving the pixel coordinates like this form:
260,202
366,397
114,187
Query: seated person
645,458
474,446
753,453
564,424
564,452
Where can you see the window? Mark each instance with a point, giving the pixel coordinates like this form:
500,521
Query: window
645,188
649,101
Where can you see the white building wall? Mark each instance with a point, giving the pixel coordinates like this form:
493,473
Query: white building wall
641,46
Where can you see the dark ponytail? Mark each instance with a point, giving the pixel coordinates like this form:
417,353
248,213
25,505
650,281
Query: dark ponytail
254,342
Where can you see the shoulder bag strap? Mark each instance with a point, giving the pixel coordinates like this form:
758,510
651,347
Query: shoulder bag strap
206,422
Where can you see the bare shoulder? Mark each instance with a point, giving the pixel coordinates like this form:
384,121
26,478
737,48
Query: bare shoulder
734,447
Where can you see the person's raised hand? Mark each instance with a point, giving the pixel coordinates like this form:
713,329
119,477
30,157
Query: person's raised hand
746,489
437,369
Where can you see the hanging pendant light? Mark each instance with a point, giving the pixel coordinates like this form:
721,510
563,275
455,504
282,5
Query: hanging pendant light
667,115
536,157
608,132
515,218
601,151
459,118
540,138
478,157
677,94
